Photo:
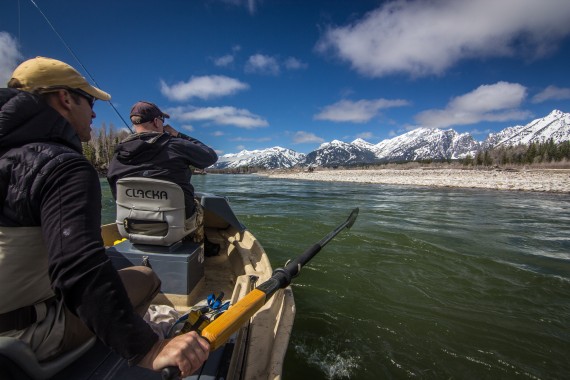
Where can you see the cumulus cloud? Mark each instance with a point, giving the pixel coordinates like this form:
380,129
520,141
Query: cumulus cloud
224,60
365,135
426,37
292,63
484,132
552,93
228,59
360,111
262,64
9,57
268,65
302,137
204,87
219,116
249,139
495,102
251,5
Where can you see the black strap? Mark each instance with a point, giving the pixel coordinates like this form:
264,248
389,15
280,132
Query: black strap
18,319
21,318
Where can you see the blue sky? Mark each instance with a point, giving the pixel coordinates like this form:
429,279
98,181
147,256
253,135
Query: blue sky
256,74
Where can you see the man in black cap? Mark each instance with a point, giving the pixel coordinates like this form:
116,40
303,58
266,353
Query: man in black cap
58,288
159,151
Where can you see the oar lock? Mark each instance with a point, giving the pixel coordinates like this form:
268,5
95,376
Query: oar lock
285,274
298,269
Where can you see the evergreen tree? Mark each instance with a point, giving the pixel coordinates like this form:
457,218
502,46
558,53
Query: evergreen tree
487,160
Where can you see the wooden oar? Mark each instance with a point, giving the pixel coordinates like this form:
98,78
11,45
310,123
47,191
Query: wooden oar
222,328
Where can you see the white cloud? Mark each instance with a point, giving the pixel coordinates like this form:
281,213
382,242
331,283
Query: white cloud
302,137
251,5
425,37
292,63
552,93
204,87
224,61
249,139
218,133
364,135
495,102
187,127
484,132
227,59
262,64
360,111
219,115
9,57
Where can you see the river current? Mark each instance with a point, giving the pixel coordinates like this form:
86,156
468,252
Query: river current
427,284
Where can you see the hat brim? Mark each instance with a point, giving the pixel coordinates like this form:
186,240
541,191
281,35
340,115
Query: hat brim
95,92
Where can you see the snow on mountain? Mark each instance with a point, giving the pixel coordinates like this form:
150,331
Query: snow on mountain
363,144
426,143
419,144
270,158
338,153
555,126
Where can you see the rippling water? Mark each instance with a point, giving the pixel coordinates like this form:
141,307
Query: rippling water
428,283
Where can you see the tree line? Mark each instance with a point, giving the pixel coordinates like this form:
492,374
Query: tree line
534,153
99,150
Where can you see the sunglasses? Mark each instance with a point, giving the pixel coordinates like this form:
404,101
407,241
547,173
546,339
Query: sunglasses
90,99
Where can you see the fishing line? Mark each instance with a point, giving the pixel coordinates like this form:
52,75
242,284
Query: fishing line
78,61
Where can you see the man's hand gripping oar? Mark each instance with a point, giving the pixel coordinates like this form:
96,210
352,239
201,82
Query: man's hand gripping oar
222,328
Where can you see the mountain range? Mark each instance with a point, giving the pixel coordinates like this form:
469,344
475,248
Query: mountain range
418,144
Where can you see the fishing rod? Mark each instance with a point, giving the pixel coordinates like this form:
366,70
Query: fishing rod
78,61
223,327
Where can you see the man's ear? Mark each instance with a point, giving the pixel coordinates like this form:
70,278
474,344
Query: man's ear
60,101
64,99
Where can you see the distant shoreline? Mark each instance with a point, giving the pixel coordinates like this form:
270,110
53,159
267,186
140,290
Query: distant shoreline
539,180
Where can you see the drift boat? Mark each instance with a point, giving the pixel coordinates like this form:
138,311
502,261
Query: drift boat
235,262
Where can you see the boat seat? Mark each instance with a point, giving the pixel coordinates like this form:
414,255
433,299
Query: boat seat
152,211
17,359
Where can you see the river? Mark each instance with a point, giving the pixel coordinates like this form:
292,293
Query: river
427,284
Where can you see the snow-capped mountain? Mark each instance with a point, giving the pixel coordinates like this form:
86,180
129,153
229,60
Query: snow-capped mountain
555,126
271,158
419,144
426,143
339,153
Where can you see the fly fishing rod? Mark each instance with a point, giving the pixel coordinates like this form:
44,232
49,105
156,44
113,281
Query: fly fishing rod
223,327
78,61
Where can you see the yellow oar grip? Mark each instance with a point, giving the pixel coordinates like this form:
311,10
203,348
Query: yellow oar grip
220,330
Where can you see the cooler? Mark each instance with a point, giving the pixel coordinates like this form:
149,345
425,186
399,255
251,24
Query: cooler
181,263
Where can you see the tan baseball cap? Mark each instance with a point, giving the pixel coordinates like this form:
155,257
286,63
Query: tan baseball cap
41,72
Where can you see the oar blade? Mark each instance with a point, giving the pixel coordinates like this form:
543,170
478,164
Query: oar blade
352,217
347,224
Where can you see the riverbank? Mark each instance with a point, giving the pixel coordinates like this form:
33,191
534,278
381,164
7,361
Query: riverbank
541,180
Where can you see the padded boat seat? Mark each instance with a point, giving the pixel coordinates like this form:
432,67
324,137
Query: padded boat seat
152,211
18,360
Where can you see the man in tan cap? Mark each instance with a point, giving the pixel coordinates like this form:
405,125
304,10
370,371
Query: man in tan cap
57,286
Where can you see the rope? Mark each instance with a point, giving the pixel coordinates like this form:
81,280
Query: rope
78,61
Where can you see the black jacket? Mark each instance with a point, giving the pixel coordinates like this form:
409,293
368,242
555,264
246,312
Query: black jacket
161,156
45,181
